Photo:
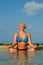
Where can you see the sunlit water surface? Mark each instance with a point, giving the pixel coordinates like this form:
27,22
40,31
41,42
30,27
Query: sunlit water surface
21,57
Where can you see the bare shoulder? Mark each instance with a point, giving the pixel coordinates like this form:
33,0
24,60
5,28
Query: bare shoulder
28,34
16,34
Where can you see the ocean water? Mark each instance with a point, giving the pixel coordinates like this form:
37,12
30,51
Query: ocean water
20,57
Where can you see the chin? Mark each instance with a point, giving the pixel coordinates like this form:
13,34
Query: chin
21,29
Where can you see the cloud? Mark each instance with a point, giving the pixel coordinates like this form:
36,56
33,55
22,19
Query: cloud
34,28
32,8
29,26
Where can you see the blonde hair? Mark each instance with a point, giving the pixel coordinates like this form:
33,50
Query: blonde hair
23,24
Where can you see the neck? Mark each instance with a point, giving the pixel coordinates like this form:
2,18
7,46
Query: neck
22,31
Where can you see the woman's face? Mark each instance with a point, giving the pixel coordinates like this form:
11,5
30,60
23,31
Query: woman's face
21,26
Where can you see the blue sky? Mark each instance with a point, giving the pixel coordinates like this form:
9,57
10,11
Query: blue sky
12,12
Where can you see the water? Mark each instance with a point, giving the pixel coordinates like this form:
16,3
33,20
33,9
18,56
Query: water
21,57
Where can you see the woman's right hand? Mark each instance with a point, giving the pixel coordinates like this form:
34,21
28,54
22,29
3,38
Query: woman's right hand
10,46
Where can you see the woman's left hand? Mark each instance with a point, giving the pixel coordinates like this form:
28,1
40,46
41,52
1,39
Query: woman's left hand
34,46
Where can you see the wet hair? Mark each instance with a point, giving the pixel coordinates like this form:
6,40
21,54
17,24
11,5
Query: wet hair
23,24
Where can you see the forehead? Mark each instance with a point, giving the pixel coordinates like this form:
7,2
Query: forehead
22,24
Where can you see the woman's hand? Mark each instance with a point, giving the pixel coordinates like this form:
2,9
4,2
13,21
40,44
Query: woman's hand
10,46
34,46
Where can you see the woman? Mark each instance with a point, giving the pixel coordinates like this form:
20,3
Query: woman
21,38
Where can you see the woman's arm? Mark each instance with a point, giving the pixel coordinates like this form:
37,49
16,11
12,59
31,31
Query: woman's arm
14,41
30,41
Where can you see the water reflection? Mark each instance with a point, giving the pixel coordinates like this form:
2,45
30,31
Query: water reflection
31,55
23,57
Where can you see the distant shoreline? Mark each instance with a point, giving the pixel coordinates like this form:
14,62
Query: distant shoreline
4,47
11,43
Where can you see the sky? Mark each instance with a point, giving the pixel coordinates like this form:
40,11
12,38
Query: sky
12,12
